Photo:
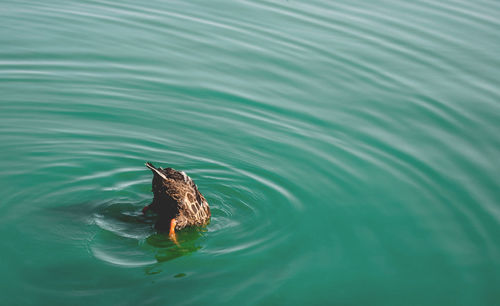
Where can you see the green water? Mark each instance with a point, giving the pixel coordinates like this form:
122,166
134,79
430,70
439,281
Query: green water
349,151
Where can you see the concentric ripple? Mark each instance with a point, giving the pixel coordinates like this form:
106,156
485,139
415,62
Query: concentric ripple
348,150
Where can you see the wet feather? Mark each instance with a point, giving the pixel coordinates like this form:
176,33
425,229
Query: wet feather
177,196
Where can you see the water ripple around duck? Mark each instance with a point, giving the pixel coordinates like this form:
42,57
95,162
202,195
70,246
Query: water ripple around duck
339,144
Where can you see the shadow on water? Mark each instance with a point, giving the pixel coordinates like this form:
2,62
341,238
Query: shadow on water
166,250
117,233
125,231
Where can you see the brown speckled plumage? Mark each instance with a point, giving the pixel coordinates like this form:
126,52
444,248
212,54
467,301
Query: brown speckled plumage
176,196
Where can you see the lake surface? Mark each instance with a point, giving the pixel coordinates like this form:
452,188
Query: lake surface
349,150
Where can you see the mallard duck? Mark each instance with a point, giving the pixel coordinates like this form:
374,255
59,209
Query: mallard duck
177,201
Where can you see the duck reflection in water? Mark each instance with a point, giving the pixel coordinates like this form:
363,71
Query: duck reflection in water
121,220
167,250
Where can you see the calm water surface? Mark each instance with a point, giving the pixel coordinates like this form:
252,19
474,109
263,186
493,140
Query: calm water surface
349,151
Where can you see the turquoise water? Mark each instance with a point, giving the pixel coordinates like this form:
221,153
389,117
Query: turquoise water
349,151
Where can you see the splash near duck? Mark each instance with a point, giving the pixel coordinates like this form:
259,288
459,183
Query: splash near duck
176,201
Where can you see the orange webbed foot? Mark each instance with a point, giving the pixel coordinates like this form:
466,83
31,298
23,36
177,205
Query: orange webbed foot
171,234
145,209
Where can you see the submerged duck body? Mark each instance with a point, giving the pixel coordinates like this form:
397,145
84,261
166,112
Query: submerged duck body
176,200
